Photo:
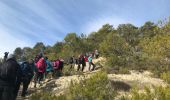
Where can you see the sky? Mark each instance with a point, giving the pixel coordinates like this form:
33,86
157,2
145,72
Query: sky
23,23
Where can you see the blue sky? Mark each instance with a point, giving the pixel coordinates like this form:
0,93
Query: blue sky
25,22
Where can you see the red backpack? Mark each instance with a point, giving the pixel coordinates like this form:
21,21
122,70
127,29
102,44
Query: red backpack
41,65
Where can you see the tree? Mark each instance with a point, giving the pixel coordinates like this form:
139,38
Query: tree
156,51
27,53
148,29
38,48
95,38
116,49
73,44
129,32
18,52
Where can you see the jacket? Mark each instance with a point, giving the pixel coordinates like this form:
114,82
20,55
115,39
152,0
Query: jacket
49,66
41,65
10,73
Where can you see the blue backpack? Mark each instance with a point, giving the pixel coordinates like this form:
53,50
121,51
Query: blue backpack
25,68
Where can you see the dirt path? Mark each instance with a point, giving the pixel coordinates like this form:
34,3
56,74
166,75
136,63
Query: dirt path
135,78
142,79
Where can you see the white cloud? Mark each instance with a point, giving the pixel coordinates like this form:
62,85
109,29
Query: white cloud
97,23
47,28
8,43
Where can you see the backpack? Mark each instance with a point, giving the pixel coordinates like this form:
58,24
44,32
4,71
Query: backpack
41,64
8,70
25,68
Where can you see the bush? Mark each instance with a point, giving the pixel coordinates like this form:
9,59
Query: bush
166,76
157,93
96,87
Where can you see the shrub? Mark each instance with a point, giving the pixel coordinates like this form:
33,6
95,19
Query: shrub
156,93
117,70
96,87
166,76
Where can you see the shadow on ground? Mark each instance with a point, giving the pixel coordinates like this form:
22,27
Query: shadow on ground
120,86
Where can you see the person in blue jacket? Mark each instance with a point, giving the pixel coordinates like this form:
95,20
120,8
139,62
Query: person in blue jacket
27,68
90,60
49,68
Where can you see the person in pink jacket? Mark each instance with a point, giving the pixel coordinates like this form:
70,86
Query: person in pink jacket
41,66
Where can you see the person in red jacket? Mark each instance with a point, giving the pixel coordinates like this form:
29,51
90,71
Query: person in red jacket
41,66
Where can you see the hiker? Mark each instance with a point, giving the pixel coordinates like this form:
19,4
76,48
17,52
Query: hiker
86,58
71,62
41,66
96,53
79,63
49,68
10,75
90,60
36,59
61,64
56,67
5,56
83,62
27,75
35,71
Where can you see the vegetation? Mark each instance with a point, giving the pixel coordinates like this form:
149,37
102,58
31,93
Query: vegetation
127,47
157,93
97,87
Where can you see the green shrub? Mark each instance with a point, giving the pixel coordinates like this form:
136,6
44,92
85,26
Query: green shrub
117,70
97,87
166,76
157,93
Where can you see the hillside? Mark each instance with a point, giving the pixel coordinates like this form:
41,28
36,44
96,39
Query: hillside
122,83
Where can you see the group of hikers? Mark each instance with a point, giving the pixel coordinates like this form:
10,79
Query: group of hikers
83,60
13,73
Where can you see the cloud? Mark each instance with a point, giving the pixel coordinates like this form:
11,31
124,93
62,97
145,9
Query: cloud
8,43
34,20
96,23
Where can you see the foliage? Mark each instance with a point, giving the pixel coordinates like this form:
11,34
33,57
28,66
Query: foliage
127,47
166,76
18,52
117,51
129,32
148,29
156,93
97,87
157,53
